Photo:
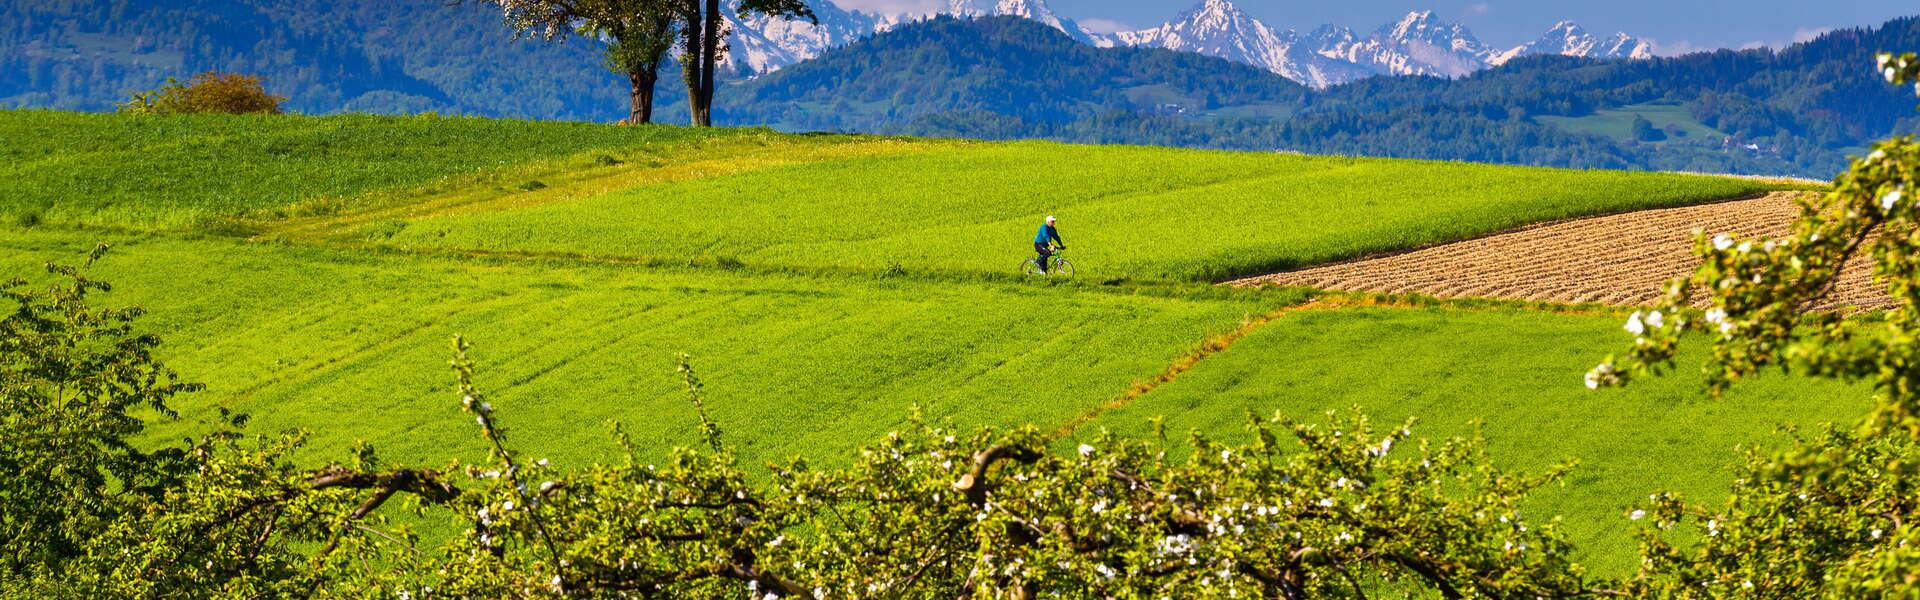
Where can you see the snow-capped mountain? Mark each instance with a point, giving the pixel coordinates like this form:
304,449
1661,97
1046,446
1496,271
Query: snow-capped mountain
762,44
1419,44
1035,10
1569,39
1218,28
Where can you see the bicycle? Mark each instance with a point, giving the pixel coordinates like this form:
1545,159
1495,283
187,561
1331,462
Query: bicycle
1058,266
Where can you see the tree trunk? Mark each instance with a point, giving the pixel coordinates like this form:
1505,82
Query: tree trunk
709,62
691,44
641,96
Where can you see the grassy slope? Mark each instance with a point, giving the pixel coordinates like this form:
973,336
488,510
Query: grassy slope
1518,372
1128,211
117,171
355,346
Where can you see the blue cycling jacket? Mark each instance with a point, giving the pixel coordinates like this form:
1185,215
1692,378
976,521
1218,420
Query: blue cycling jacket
1048,232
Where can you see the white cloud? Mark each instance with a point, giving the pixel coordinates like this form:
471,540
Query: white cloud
1674,48
1478,8
1098,25
1679,47
1806,34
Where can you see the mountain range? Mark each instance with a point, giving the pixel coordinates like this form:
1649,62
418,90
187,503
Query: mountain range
1419,44
1801,110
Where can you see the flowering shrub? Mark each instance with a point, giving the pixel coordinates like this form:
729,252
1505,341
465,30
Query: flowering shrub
934,513
1833,515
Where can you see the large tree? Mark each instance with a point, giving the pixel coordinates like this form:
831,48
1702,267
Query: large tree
703,41
638,34
637,51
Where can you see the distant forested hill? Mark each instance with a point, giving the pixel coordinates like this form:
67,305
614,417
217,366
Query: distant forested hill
1795,111
1001,77
384,56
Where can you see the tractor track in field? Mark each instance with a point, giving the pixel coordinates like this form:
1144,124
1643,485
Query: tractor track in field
558,185
1623,259
1186,362
1330,301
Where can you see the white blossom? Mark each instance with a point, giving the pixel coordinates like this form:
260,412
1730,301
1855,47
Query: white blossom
1086,450
1892,198
1637,514
1601,374
1722,241
1634,324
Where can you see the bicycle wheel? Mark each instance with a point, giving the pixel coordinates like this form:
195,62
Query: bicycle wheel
1031,267
1063,267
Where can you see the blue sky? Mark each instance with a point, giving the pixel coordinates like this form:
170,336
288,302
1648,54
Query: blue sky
1675,25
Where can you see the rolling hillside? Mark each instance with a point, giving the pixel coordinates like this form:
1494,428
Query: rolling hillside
584,260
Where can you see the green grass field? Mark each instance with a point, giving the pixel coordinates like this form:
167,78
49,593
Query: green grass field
1618,123
345,263
1518,373
355,346
1127,212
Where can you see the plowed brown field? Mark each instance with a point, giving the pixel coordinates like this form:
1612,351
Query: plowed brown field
1618,259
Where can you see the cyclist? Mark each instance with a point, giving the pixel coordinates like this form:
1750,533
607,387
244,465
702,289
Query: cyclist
1044,242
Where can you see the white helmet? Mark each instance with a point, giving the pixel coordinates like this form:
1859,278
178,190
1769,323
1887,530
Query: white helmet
1049,218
